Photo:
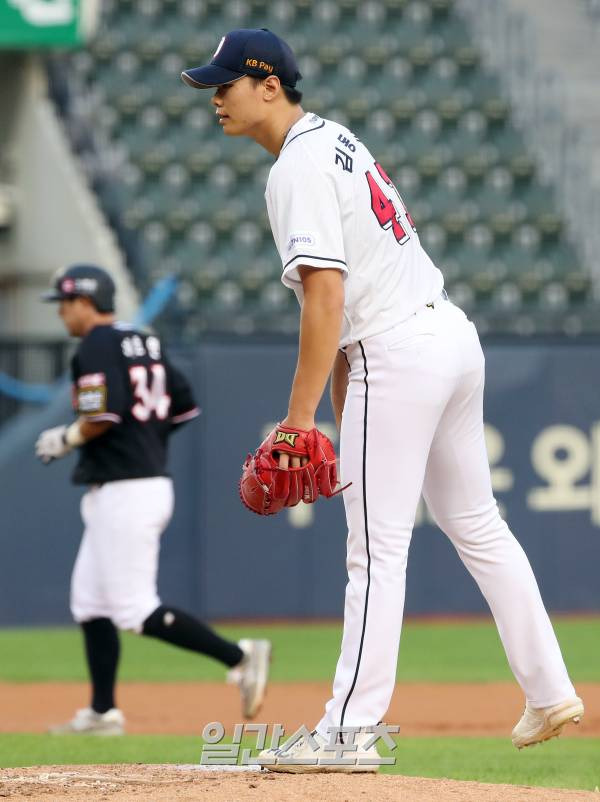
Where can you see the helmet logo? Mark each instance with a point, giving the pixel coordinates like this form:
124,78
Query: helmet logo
81,286
86,285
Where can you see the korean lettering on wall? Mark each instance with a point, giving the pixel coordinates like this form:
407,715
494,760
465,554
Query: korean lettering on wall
564,458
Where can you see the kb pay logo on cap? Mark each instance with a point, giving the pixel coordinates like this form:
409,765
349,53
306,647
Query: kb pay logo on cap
255,64
303,239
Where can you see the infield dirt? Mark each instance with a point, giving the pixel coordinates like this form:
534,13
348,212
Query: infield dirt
168,783
184,708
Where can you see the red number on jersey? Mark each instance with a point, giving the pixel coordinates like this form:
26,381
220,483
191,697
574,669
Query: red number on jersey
153,398
385,209
390,183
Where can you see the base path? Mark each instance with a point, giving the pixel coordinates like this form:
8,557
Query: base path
184,708
169,784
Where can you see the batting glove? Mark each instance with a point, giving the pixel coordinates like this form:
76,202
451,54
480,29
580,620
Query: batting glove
57,442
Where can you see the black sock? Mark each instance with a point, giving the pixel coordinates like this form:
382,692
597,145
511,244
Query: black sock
181,629
102,650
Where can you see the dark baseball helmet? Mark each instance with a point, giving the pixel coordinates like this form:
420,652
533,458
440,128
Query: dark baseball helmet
84,280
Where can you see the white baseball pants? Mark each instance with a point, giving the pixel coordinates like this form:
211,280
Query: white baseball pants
116,568
412,424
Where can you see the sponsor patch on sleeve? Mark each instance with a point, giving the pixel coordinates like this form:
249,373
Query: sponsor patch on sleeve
303,239
91,394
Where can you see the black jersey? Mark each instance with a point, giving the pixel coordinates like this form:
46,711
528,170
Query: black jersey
122,375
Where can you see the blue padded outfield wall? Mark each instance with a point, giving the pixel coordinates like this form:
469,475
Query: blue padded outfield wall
221,561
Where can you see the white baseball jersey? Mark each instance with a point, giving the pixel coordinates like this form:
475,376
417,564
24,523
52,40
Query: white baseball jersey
412,421
331,205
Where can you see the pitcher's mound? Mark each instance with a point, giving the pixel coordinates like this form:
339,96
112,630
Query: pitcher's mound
172,784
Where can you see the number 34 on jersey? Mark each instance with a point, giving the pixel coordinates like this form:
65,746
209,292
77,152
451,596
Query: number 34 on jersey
150,391
149,382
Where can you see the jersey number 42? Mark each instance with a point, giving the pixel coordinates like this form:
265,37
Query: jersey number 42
387,211
151,396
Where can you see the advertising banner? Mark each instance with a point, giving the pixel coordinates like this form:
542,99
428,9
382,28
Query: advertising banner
218,559
29,24
543,436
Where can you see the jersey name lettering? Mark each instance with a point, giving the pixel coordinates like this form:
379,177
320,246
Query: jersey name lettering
133,346
153,347
346,143
345,159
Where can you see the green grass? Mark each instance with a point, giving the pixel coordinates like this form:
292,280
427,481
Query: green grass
562,763
18,749
447,652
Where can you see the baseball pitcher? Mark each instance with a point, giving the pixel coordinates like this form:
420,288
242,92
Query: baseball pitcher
407,379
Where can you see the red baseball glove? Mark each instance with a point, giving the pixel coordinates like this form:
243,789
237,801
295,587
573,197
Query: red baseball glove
265,488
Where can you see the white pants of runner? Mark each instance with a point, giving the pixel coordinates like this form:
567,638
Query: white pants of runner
116,568
413,423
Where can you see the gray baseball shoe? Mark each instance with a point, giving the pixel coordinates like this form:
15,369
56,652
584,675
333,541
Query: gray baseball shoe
251,674
87,722
313,755
539,724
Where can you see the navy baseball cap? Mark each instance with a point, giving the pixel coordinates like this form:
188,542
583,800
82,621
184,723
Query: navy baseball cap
246,51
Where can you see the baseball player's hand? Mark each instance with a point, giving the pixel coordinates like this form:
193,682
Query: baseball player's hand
52,444
266,487
286,460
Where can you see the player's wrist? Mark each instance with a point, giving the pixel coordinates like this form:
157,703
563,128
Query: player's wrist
299,420
72,435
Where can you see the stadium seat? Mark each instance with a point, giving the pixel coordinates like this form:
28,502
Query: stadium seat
405,75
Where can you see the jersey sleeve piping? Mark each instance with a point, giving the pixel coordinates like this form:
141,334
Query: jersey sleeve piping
290,275
308,256
308,131
185,416
104,416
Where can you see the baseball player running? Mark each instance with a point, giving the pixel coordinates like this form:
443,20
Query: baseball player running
128,399
407,376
